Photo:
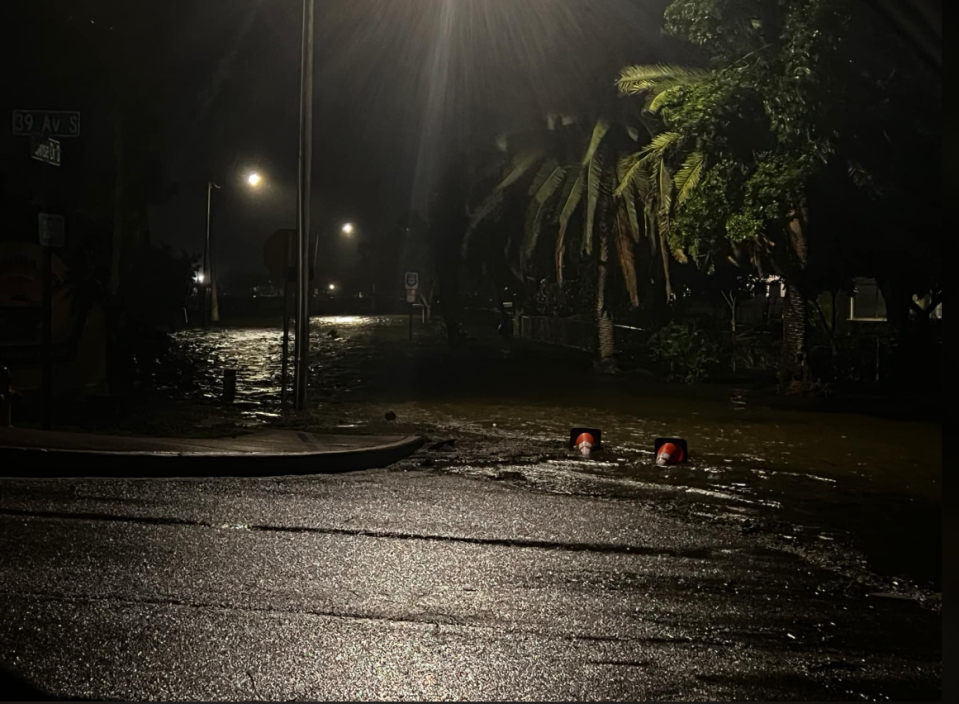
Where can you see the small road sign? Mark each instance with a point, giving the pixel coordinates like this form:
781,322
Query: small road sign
46,150
277,250
46,123
52,230
412,279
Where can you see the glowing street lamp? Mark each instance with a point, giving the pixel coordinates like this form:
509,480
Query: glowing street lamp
348,229
254,179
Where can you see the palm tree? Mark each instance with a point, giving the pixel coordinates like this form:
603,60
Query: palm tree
574,174
666,171
649,172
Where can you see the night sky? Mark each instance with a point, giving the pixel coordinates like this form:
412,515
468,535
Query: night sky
398,83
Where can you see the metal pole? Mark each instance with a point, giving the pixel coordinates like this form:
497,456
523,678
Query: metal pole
48,337
206,255
214,304
285,375
303,210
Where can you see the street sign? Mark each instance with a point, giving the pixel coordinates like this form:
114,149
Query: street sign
46,150
52,230
412,279
46,123
276,250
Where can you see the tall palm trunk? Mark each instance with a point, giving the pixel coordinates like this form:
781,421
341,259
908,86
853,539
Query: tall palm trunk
795,370
604,321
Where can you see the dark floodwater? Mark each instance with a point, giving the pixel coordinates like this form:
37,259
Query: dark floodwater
816,479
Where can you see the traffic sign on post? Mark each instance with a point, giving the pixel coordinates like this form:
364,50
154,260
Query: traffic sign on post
52,230
276,253
412,287
46,150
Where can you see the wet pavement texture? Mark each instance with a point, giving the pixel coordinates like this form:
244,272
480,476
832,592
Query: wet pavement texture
411,585
797,557
869,483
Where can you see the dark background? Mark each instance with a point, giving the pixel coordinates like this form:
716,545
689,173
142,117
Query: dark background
212,86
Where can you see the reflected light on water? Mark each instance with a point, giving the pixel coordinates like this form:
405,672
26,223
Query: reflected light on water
342,320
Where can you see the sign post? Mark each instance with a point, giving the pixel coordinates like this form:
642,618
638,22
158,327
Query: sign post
412,286
52,234
289,276
42,126
46,150
279,257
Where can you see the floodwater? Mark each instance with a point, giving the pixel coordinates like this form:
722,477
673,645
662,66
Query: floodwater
862,494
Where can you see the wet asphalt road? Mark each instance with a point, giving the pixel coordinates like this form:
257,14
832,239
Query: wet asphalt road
501,569
416,585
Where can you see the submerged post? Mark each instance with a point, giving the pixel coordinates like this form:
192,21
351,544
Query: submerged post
303,211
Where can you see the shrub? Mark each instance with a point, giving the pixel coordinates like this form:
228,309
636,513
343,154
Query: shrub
684,352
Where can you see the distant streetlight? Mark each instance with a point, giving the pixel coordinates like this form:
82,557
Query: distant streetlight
253,179
332,287
348,229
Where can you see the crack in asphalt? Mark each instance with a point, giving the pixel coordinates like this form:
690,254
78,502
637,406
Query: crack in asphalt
703,553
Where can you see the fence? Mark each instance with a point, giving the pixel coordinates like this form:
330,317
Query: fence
576,333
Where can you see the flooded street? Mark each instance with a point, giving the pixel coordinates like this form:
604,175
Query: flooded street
795,558
843,489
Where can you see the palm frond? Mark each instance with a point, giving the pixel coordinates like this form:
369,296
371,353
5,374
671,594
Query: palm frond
628,169
545,171
636,79
652,228
645,183
687,178
656,104
593,191
629,202
520,166
571,201
537,207
665,196
627,260
599,132
657,148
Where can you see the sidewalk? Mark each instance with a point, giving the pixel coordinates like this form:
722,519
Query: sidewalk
40,454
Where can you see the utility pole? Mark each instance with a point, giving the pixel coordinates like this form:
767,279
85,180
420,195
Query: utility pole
303,211
208,301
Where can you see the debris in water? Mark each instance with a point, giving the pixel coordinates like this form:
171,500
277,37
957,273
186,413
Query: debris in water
891,595
444,446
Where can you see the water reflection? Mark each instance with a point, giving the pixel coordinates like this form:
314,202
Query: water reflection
511,409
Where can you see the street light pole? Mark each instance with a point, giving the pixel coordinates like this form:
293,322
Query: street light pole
303,211
209,300
208,255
